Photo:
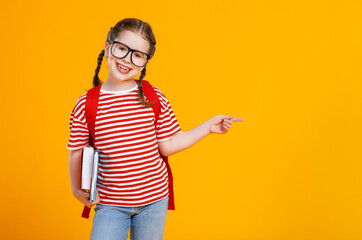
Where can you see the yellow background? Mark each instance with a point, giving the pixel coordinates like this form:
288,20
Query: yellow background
291,69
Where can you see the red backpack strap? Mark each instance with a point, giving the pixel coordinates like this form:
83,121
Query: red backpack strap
91,107
152,96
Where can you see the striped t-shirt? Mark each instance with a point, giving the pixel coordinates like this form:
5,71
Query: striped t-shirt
131,171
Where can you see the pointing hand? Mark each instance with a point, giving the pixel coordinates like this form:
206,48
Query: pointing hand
221,123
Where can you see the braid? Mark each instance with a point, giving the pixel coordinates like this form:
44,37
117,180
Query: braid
96,80
141,95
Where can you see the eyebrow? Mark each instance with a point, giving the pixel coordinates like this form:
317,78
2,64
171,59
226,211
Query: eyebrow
132,48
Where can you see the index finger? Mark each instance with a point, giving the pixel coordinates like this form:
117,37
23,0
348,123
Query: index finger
235,119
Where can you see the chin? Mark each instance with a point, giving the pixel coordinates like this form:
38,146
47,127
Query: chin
122,77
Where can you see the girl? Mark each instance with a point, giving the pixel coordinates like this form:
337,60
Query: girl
132,186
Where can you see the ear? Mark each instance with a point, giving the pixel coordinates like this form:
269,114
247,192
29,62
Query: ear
106,48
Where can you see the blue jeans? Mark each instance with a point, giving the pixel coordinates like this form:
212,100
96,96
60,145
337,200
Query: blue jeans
146,222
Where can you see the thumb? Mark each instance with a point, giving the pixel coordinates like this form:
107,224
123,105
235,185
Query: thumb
97,197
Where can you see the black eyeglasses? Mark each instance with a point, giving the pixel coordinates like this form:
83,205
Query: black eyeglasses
120,50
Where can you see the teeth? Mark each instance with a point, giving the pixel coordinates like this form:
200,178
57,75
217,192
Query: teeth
123,67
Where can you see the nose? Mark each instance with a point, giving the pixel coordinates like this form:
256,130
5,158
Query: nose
127,58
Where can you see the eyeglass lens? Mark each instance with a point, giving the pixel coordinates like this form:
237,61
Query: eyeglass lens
120,51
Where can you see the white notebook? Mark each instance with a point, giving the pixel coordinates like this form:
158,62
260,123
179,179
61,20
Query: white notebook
94,176
90,160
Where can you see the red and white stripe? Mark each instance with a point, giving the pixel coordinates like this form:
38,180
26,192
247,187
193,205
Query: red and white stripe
131,171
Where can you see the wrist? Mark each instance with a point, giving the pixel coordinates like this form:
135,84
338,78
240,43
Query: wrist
209,125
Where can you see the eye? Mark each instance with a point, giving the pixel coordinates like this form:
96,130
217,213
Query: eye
137,55
122,48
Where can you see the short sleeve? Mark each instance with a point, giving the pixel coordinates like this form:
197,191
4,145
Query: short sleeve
166,125
79,133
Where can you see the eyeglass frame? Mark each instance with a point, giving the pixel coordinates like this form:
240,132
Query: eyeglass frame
129,50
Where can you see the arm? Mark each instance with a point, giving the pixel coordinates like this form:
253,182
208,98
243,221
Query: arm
75,158
180,141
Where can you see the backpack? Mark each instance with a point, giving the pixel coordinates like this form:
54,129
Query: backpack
91,106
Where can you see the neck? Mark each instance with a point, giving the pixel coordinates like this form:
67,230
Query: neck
118,85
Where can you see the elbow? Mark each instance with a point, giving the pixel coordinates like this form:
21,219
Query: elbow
164,152
164,148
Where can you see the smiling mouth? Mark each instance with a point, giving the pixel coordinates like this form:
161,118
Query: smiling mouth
124,69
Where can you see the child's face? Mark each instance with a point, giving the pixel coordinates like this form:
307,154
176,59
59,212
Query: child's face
134,41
